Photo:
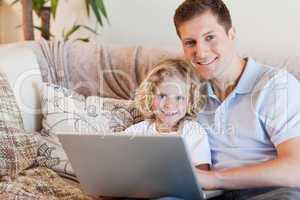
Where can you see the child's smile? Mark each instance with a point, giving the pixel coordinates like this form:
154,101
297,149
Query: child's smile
170,103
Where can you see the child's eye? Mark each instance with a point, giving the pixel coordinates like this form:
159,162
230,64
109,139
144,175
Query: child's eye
162,96
180,98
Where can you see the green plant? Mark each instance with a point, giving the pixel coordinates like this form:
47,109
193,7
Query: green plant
73,29
98,8
44,13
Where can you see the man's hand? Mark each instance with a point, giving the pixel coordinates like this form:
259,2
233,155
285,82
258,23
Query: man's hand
208,180
282,171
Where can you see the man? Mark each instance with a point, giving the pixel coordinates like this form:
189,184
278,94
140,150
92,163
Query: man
252,113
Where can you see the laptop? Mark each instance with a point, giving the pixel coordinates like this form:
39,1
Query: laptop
119,165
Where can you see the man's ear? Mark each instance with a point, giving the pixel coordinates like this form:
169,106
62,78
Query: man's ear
232,33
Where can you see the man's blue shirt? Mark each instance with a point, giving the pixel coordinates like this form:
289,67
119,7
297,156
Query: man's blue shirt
260,113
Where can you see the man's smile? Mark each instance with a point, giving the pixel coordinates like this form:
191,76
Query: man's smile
207,61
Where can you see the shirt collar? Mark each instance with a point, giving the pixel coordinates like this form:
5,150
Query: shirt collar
247,80
249,77
210,91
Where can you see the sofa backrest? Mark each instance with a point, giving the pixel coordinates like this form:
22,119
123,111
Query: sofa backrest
291,64
87,62
20,65
114,71
93,68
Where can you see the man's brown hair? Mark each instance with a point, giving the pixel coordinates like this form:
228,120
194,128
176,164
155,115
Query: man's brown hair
190,9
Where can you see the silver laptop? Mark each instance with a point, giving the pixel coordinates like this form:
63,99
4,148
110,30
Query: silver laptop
135,167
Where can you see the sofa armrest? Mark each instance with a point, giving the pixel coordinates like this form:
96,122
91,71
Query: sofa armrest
22,70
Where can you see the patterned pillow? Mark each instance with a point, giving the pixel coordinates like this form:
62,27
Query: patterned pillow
40,183
121,113
18,149
10,116
65,110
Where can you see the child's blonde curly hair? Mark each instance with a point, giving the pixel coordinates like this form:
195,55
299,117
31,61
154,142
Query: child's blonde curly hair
165,69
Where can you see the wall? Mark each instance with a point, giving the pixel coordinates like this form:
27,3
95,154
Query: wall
138,22
267,26
1,22
264,26
9,20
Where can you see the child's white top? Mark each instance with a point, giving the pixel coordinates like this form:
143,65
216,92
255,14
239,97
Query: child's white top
194,135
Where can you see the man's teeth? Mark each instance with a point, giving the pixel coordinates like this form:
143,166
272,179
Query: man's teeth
207,62
201,63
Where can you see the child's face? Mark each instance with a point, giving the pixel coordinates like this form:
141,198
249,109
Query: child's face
170,102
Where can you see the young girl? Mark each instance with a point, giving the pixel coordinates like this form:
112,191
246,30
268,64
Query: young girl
170,100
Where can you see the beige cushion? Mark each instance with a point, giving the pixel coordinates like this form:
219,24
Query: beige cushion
18,149
40,183
23,74
64,110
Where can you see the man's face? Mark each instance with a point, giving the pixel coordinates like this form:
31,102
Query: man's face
207,44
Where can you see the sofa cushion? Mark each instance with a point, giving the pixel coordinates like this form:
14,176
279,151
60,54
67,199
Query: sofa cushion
40,183
289,63
18,149
64,110
19,63
10,116
94,68
121,113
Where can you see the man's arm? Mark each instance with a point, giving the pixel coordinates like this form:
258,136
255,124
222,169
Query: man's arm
282,171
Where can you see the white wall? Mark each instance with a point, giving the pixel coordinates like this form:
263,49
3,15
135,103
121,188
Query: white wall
1,22
265,26
148,22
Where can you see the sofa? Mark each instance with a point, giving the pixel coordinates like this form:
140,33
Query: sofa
75,72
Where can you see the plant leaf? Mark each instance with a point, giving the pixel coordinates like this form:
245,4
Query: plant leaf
41,29
89,29
54,4
73,29
87,6
102,8
84,39
37,6
96,12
